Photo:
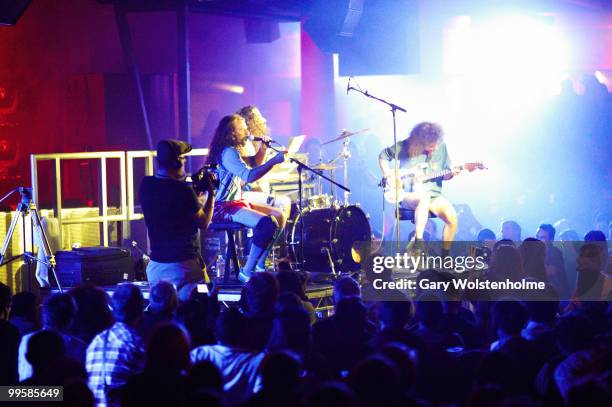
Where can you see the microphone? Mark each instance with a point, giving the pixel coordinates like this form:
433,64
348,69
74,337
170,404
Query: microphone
348,85
254,138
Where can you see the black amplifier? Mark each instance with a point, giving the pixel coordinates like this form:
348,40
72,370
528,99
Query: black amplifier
94,265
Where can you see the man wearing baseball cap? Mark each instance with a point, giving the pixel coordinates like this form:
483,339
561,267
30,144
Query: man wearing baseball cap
173,214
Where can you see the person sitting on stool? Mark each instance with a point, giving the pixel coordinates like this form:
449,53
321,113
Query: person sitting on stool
230,136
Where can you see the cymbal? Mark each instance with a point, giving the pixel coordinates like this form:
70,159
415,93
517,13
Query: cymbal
345,134
324,167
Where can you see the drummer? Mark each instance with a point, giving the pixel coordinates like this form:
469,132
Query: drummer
255,154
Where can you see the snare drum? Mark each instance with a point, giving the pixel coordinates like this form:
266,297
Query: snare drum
332,236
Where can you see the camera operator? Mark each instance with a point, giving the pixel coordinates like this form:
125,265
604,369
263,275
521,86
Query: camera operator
173,213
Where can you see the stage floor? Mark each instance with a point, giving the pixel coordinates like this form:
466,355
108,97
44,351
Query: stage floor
319,294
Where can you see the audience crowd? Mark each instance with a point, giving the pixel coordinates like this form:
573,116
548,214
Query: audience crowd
273,348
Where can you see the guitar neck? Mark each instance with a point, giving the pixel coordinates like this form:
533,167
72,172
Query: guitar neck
437,174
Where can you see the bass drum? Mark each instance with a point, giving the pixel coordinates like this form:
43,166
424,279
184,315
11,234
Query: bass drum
331,236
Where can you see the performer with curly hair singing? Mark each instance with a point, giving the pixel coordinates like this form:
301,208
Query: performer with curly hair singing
233,172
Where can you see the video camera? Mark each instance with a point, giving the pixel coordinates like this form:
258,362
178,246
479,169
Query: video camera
203,176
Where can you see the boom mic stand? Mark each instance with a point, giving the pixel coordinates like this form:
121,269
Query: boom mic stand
300,167
394,108
24,208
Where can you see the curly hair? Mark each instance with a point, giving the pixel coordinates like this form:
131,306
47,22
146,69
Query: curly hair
256,126
422,135
225,136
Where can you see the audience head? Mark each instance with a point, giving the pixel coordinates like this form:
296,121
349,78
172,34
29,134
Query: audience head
261,293
44,348
569,235
546,232
345,287
58,311
533,255
93,313
205,375
291,330
375,381
168,349
230,328
351,313
486,236
394,314
404,360
127,304
511,230
23,305
506,263
509,317
5,301
291,281
163,298
280,371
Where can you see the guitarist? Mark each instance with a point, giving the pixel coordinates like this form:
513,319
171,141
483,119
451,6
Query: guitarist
424,145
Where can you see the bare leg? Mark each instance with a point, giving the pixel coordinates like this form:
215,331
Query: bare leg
420,202
446,212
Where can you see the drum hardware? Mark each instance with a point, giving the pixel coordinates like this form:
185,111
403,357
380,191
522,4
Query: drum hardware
393,108
300,168
346,134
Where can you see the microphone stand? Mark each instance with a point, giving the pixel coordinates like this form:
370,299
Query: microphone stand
394,108
300,167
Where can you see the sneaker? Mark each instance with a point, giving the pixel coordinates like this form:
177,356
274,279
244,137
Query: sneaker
244,276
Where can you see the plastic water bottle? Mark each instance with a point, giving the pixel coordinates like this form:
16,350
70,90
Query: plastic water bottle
220,265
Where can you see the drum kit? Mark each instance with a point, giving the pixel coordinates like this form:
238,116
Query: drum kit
326,236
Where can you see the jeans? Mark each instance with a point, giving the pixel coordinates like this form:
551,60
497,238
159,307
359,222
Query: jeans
184,275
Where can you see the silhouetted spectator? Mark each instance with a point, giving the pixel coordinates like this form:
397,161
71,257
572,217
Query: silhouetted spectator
280,381
393,319
555,263
93,312
162,382
345,287
57,314
432,327
509,319
204,376
44,348
194,316
590,282
375,381
291,331
163,301
117,353
579,367
533,256
343,339
291,281
9,340
238,366
511,230
260,294
23,312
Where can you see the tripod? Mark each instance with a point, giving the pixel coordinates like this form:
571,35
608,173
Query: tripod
24,208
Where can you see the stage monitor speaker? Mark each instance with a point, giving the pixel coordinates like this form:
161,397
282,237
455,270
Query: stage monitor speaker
261,31
386,41
331,23
11,10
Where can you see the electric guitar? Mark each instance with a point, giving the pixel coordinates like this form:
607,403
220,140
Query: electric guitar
412,179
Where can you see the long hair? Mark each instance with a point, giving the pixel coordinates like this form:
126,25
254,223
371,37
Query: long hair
422,135
225,136
256,126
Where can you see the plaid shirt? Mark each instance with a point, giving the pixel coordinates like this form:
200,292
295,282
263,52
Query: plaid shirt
122,358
